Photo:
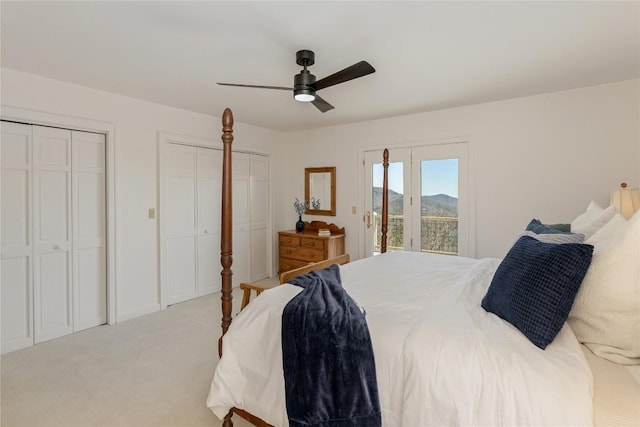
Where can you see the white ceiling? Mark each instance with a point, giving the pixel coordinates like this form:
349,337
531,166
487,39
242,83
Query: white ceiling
427,55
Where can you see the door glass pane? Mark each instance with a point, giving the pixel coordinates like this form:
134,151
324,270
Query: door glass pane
395,229
439,206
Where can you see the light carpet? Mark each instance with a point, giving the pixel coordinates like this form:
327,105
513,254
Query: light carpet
151,371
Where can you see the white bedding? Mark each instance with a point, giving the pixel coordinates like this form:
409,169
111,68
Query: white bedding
440,358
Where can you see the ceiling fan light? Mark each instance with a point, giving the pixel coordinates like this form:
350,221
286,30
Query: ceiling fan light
304,95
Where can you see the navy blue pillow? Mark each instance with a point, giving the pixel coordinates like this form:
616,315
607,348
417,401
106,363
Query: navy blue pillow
535,285
539,228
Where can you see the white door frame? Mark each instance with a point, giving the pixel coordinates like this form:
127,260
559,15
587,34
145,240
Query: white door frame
108,129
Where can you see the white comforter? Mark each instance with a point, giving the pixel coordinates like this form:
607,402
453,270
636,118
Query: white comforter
440,358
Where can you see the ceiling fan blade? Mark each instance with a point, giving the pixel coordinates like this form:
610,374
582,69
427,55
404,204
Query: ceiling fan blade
360,69
321,104
256,86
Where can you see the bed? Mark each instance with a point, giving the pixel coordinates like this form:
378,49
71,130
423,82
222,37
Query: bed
440,357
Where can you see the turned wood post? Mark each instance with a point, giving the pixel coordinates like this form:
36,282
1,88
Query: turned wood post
226,244
227,421
385,201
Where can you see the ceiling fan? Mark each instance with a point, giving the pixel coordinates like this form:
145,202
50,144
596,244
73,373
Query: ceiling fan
305,85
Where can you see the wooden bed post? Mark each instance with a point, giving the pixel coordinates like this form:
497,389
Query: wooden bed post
385,201
226,244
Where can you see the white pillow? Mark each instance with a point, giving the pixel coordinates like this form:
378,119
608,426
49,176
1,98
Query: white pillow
608,230
593,210
606,312
594,218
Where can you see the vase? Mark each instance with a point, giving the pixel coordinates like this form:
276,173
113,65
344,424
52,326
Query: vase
299,225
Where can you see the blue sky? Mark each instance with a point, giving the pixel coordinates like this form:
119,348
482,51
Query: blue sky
438,177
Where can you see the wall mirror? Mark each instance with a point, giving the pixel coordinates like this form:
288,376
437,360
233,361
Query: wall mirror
320,190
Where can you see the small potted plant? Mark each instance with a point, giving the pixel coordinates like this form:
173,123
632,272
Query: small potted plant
300,207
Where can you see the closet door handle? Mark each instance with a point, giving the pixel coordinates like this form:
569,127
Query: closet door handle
368,219
56,247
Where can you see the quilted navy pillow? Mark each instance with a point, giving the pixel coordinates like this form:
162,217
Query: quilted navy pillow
535,285
539,228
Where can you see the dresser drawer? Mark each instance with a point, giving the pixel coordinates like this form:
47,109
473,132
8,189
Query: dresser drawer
293,241
311,243
301,254
290,264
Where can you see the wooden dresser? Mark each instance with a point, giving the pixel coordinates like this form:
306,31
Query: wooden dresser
299,249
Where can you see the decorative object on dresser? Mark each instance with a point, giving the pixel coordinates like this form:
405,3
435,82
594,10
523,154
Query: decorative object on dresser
299,249
300,207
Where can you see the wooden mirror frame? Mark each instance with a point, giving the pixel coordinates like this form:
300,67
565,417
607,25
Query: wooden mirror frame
307,190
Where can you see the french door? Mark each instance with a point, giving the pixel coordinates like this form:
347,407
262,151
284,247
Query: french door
429,200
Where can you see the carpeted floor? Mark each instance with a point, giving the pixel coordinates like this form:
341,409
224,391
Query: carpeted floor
151,371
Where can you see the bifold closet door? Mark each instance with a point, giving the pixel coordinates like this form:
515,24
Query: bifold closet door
209,203
250,217
181,222
52,233
190,196
17,267
259,217
241,172
89,230
191,202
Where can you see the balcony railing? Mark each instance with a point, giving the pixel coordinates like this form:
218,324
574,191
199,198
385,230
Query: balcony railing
438,234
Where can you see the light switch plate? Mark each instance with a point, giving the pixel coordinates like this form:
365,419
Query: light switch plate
152,213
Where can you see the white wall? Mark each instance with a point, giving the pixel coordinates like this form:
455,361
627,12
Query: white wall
136,124
542,156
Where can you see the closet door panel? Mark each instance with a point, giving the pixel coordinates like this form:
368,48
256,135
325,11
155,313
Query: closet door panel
52,212
181,223
259,267
241,218
181,256
52,232
15,210
181,211
16,292
259,202
52,278
209,279
89,230
16,303
209,210
90,291
241,257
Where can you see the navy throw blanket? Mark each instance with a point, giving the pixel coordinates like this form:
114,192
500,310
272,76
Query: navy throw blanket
329,369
